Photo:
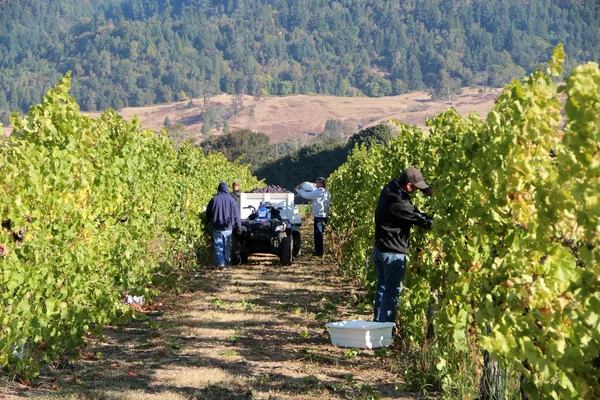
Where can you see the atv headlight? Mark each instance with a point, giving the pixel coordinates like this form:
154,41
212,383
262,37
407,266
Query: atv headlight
280,228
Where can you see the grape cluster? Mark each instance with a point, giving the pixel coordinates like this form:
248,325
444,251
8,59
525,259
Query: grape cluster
269,189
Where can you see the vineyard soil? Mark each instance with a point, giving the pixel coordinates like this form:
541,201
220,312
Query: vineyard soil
257,332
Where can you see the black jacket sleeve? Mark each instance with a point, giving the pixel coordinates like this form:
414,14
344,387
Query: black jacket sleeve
237,222
406,213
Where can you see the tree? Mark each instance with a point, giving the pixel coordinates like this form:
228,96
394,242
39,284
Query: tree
206,127
445,85
481,78
342,86
415,76
305,164
178,134
207,93
333,132
237,103
243,146
285,88
399,87
332,125
252,115
377,134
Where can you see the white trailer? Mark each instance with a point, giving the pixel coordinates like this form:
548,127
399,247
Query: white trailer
282,201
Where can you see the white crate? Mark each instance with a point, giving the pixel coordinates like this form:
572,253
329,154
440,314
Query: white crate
283,201
360,334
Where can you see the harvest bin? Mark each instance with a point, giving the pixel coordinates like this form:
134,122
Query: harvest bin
360,334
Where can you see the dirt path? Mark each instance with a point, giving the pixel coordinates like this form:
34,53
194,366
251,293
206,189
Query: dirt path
254,332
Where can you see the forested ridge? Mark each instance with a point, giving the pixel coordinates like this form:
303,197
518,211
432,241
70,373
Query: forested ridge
141,52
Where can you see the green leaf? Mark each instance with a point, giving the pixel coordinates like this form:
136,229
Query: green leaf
555,67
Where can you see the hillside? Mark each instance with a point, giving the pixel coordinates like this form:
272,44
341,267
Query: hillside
132,53
303,117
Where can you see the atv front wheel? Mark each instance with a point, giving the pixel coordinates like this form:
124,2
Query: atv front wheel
286,251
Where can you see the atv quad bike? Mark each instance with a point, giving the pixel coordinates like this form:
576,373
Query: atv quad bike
265,231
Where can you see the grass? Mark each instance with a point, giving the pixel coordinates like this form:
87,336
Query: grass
303,210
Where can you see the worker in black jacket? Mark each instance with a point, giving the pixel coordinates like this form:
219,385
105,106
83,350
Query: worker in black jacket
236,193
394,216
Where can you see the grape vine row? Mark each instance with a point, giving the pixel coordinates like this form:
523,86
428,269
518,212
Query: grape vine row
512,266
91,209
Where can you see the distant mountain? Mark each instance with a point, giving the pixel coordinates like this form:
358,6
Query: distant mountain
142,52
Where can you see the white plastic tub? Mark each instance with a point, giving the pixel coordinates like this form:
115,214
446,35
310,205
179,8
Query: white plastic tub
360,334
308,186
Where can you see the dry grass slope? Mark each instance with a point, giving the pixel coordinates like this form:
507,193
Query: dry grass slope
303,117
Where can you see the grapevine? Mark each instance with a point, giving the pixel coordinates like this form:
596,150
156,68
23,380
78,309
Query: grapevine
90,209
511,266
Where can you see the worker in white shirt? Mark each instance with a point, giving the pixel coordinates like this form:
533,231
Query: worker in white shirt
320,209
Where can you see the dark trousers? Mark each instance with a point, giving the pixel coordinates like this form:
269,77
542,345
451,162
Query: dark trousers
319,227
391,268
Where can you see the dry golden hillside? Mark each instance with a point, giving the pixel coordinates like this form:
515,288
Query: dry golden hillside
303,117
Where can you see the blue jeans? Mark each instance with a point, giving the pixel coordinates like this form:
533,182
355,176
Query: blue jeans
222,245
319,227
391,268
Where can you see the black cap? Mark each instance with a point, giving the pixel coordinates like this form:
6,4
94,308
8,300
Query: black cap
415,177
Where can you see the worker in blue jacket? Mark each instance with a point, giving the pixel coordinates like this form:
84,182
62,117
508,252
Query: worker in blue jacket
222,212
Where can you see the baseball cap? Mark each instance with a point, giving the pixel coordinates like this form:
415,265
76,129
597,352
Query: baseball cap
415,177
